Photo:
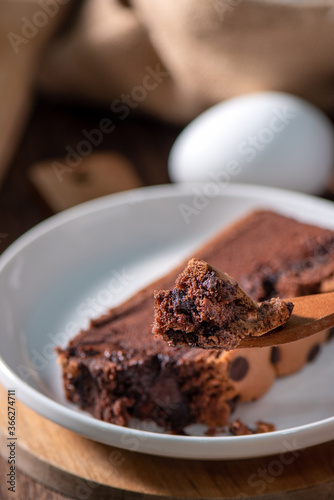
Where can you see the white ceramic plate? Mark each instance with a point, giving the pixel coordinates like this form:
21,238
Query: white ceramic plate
80,262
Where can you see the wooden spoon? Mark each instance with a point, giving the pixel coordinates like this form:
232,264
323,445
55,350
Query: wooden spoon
311,314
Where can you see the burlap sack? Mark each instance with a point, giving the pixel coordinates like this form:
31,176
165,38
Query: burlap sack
172,59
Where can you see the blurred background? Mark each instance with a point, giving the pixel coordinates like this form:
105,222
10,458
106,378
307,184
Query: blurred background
93,93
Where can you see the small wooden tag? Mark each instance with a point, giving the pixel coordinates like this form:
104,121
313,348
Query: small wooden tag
63,186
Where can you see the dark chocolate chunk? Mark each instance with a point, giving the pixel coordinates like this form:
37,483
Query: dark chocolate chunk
238,369
269,287
224,290
211,281
89,351
313,353
181,303
275,356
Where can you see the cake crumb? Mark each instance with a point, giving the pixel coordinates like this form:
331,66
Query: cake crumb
211,432
262,427
238,428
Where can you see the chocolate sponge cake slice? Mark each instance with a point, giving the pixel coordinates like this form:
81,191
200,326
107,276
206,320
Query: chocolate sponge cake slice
208,309
116,370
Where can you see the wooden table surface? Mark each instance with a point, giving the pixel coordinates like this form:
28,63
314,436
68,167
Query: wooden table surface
53,126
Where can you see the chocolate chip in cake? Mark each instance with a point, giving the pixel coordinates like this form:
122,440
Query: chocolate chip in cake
210,281
181,303
238,369
275,356
90,351
225,290
268,285
314,351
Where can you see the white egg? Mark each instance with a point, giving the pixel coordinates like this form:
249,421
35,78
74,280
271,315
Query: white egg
267,138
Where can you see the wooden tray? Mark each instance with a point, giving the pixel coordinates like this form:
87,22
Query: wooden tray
81,468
